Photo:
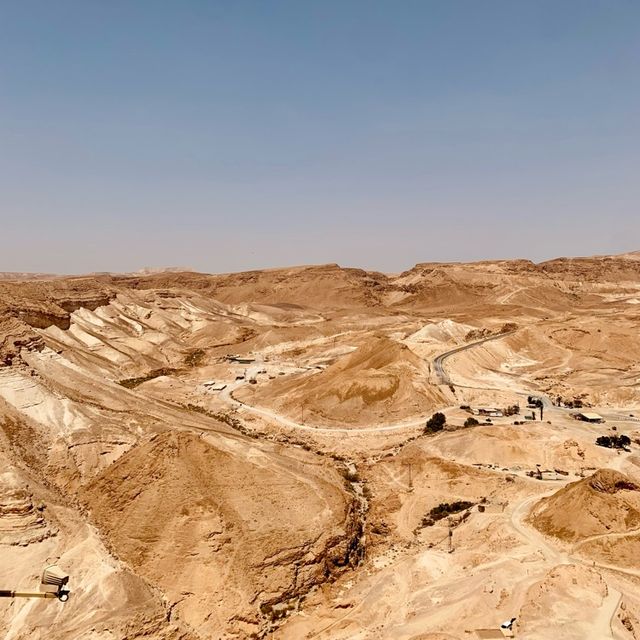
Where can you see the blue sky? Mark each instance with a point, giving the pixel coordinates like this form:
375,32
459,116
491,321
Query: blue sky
233,135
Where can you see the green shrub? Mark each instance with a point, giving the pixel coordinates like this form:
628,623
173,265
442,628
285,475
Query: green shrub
132,383
614,442
435,423
443,510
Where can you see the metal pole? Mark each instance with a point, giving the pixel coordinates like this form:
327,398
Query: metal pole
4,593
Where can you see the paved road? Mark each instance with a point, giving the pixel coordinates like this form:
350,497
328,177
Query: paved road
438,363
443,378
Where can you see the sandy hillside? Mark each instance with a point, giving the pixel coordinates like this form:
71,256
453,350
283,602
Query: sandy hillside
523,447
219,553
243,456
606,502
381,380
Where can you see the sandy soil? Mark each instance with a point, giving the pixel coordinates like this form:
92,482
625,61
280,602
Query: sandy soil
244,455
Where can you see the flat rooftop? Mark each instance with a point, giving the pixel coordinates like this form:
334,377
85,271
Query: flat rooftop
591,416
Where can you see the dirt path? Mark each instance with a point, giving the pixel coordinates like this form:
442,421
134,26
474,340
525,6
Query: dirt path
621,534
227,396
505,298
531,535
602,627
540,541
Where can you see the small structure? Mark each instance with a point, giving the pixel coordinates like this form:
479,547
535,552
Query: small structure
491,412
240,359
212,385
593,418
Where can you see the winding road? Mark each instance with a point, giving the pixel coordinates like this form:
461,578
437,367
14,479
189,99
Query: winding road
602,627
238,405
439,370
438,362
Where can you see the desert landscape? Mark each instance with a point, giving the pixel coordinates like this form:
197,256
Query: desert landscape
322,452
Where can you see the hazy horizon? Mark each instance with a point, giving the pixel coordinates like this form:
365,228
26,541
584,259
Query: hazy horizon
232,136
148,270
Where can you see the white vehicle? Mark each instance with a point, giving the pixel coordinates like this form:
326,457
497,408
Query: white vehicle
508,624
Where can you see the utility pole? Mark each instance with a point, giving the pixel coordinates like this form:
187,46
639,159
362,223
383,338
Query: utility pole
410,469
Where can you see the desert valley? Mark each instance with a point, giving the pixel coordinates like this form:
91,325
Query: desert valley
324,452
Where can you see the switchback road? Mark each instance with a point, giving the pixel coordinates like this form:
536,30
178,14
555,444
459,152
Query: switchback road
438,363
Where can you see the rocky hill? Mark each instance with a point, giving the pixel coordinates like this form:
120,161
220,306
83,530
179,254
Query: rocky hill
242,455
606,502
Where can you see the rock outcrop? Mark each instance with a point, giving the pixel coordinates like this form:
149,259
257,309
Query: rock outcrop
21,522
